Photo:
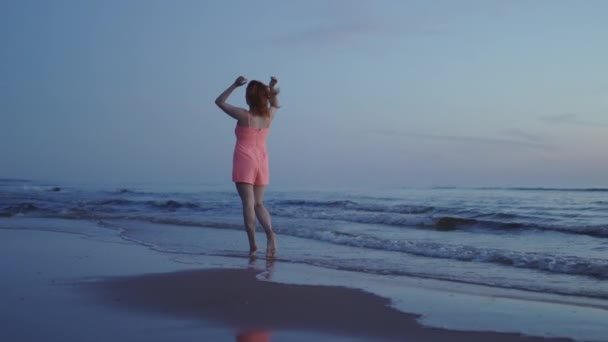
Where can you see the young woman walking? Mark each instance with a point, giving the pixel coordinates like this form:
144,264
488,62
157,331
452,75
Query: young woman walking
250,160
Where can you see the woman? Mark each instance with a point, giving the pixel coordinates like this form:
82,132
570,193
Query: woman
250,161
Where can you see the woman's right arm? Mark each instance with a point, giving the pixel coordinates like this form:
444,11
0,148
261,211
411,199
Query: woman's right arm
235,112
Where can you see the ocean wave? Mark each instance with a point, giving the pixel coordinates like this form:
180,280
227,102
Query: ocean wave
352,205
405,216
398,209
21,208
532,286
172,205
498,216
124,191
547,189
572,265
76,213
441,223
113,201
312,203
165,205
597,268
452,223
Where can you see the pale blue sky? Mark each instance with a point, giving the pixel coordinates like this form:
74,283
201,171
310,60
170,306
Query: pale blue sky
411,93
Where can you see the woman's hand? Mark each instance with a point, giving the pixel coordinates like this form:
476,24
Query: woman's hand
273,92
273,81
240,81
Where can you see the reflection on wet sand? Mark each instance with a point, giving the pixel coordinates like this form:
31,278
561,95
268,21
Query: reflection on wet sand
253,336
269,267
258,335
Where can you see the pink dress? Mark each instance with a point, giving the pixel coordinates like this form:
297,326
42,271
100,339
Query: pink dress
250,160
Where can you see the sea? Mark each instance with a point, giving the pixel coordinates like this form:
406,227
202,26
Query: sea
537,240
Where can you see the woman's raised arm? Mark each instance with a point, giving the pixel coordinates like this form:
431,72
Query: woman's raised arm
274,92
233,111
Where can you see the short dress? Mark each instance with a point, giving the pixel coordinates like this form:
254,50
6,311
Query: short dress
250,159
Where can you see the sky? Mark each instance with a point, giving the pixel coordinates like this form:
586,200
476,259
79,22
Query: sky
374,93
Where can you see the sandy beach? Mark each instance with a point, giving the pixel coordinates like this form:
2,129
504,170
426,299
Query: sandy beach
43,298
95,286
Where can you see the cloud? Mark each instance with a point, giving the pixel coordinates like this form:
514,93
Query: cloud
329,35
520,134
571,119
527,142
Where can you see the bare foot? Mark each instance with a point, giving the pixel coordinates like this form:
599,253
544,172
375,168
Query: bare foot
271,246
253,250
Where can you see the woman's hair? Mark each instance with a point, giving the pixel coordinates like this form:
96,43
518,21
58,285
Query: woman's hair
257,97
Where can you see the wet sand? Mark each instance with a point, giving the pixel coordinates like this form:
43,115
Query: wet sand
237,297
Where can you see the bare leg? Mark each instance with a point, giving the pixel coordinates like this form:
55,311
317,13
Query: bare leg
246,192
264,218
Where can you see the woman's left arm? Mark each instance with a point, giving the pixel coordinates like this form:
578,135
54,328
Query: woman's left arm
274,92
235,112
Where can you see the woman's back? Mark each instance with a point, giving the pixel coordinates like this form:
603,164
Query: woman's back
256,121
255,133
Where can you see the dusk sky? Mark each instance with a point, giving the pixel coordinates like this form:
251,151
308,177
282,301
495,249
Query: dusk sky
374,93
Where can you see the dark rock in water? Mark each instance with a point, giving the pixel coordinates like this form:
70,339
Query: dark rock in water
123,191
451,223
56,189
2,214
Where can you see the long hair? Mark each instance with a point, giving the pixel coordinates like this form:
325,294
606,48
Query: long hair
257,97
